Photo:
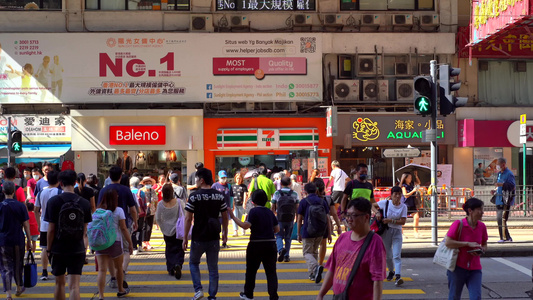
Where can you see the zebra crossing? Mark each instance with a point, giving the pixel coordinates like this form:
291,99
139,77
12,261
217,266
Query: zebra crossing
148,279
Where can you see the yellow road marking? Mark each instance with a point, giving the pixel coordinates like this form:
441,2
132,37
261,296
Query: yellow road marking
221,294
188,282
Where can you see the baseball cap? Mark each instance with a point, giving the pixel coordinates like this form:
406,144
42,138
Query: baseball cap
222,174
174,177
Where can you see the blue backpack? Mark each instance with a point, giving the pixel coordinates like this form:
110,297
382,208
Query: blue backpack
101,231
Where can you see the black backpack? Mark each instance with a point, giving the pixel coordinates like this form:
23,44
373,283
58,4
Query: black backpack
286,207
3,196
71,220
317,219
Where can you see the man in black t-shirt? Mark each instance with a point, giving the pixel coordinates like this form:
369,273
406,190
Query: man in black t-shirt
66,254
191,184
262,246
204,206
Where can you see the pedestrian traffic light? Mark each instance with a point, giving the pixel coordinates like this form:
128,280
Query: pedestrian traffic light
423,100
16,141
448,101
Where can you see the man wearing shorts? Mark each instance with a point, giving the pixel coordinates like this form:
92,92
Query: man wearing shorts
40,207
66,254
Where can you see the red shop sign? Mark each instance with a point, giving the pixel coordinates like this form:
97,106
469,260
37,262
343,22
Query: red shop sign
137,135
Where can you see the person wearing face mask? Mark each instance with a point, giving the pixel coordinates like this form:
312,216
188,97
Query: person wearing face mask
26,176
505,194
225,188
32,183
358,187
148,196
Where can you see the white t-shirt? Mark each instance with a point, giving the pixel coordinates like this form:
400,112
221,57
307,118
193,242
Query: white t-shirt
118,215
394,212
41,201
339,179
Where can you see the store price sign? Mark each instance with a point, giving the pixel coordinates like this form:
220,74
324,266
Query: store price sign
137,135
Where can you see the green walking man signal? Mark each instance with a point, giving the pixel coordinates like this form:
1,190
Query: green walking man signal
423,96
16,141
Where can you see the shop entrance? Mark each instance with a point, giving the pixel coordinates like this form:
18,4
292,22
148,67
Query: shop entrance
296,162
144,162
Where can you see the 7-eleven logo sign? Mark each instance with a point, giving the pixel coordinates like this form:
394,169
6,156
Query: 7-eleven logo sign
268,138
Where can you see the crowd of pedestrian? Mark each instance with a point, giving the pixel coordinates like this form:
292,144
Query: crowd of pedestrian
69,213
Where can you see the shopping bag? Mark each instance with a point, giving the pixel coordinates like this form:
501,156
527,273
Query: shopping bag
294,235
180,224
30,271
447,257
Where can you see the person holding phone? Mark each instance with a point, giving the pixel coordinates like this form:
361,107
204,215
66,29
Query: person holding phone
471,240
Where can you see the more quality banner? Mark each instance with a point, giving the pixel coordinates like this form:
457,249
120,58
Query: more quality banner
159,67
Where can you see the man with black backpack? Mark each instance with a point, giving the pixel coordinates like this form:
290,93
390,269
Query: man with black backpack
284,205
67,215
312,225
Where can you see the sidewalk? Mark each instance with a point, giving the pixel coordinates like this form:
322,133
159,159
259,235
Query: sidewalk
519,228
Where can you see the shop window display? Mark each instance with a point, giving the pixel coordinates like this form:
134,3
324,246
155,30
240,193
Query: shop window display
144,162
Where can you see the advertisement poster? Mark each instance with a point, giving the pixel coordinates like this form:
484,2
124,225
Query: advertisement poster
444,171
159,67
485,165
38,128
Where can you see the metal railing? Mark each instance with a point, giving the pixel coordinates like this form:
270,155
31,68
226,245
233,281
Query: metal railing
450,201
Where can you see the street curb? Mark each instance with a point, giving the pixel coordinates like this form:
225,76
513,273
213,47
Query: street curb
508,250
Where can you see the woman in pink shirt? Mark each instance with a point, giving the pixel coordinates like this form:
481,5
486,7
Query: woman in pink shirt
471,242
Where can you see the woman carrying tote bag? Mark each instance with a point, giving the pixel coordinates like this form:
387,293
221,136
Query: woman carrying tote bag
167,214
471,243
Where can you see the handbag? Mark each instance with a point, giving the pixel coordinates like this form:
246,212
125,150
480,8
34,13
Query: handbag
344,294
447,257
30,271
180,224
378,226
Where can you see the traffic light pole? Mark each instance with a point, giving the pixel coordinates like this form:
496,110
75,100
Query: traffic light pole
434,158
9,142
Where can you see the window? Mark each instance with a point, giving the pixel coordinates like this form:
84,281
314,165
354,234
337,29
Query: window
137,5
30,4
266,5
387,5
506,83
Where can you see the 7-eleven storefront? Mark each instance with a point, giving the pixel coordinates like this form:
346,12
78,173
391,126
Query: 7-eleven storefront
240,144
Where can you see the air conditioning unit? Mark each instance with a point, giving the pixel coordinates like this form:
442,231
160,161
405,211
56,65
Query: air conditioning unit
333,20
375,90
401,68
370,20
201,23
285,106
402,20
368,65
429,20
242,106
424,68
303,20
404,90
346,90
239,21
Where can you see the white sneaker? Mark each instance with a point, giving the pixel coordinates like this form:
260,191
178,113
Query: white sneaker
198,295
243,296
135,252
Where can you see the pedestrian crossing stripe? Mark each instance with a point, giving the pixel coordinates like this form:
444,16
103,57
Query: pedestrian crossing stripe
223,294
133,284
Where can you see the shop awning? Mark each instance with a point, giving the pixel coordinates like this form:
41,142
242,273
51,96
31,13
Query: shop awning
37,153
